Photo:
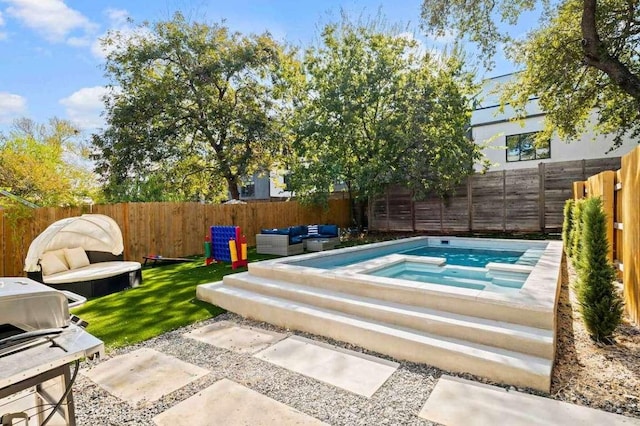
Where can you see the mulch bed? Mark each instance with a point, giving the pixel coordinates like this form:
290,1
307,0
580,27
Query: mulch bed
587,373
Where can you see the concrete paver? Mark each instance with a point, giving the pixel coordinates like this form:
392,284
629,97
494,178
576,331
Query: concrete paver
358,373
227,335
144,375
230,404
459,402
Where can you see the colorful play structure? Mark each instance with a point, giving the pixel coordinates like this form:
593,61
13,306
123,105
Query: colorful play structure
226,244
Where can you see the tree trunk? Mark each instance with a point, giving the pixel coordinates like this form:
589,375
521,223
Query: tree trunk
597,55
351,218
232,184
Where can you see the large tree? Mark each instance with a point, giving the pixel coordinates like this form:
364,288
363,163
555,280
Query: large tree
194,103
380,111
583,58
43,164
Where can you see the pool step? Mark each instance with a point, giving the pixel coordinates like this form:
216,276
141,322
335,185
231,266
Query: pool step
403,343
529,340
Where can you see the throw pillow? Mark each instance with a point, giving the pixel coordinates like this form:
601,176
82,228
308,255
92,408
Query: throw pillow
60,255
313,229
76,258
51,264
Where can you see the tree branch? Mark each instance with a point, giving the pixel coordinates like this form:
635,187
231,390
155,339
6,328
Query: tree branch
597,55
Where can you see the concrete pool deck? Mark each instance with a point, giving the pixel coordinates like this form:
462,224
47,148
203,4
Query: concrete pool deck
507,336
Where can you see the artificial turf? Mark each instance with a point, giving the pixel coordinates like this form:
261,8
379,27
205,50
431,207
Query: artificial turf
165,301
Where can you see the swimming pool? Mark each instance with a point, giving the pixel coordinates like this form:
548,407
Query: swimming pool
408,301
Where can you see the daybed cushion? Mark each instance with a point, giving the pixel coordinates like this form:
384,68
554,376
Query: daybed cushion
76,258
51,264
95,271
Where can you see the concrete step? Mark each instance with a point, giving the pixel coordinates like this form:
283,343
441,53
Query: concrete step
519,338
455,300
449,354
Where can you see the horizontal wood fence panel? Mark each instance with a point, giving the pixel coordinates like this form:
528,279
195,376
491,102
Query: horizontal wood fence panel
455,210
168,229
522,200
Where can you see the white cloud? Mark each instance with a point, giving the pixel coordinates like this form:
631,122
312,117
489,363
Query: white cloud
1,19
11,106
84,106
51,18
117,17
118,22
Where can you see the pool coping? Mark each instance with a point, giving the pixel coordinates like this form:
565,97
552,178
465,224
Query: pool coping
536,300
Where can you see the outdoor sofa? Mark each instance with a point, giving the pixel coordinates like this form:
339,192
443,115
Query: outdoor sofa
292,240
84,255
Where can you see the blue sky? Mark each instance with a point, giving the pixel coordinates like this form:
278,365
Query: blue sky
51,59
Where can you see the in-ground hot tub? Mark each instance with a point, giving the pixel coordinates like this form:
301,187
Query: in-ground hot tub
484,306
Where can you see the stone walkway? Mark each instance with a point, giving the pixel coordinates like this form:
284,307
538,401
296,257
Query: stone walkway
238,372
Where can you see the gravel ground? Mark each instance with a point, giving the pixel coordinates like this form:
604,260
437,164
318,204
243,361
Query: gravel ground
397,402
586,374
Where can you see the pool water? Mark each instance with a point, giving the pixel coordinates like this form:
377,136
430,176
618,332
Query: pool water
467,256
455,276
454,256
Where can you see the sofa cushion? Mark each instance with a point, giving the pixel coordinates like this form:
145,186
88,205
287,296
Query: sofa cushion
328,230
51,263
95,271
76,258
295,231
312,229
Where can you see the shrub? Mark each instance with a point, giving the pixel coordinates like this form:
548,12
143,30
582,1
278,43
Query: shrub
600,304
576,231
567,226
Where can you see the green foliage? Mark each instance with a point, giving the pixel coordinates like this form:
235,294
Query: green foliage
567,226
379,112
196,106
600,303
43,165
582,62
576,231
574,95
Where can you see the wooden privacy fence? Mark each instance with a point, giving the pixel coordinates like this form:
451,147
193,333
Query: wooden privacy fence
620,193
168,229
523,200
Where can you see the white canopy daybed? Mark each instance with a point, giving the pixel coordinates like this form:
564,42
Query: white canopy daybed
82,254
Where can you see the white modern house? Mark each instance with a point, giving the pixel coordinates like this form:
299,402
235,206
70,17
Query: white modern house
510,143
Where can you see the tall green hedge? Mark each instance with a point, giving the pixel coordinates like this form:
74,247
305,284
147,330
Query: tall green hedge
576,231
600,304
567,226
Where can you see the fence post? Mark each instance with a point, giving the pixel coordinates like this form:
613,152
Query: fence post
504,201
541,196
578,190
470,201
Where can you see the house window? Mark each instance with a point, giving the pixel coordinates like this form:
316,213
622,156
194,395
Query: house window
248,189
522,148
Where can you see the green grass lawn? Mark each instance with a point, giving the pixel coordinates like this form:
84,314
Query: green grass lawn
165,301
